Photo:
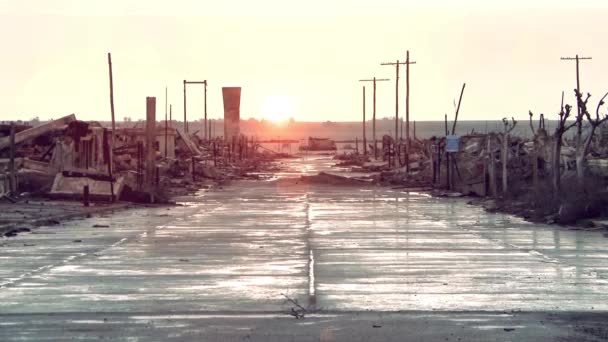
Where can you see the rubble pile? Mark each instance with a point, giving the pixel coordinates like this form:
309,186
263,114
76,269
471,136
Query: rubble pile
60,158
513,174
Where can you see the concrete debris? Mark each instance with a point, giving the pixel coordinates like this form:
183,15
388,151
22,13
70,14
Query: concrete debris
328,178
59,158
319,144
515,173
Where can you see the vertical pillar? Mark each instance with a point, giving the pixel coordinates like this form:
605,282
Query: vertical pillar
150,142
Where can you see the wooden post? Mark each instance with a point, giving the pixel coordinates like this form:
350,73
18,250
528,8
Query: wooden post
397,103
206,136
85,195
438,163
374,124
11,164
458,110
388,153
185,118
166,128
214,154
193,170
108,156
447,154
150,144
139,165
364,140
414,130
534,157
111,154
407,106
210,124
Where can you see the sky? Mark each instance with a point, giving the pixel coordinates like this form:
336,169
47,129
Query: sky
300,59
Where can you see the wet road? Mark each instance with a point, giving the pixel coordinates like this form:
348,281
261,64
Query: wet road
339,250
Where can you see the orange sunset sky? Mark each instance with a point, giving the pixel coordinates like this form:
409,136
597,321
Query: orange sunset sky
297,58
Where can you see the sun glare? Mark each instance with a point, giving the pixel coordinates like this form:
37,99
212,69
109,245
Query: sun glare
277,109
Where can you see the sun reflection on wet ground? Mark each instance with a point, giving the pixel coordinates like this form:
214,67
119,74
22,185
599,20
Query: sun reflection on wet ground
339,248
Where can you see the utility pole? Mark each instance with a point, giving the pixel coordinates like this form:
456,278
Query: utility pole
166,128
374,80
407,100
364,141
206,135
396,64
578,90
185,118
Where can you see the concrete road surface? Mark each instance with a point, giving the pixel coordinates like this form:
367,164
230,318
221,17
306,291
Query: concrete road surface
362,263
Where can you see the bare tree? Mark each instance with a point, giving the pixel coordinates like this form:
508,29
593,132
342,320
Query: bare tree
561,128
583,144
534,154
508,127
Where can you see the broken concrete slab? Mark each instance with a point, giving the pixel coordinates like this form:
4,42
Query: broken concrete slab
188,142
38,130
71,186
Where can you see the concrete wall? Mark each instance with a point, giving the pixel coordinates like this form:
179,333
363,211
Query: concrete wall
232,112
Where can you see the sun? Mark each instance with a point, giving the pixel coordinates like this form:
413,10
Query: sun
277,109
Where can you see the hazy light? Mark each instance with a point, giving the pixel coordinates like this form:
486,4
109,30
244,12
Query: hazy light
277,109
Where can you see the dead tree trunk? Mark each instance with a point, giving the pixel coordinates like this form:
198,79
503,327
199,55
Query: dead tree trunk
491,167
584,145
564,114
505,151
